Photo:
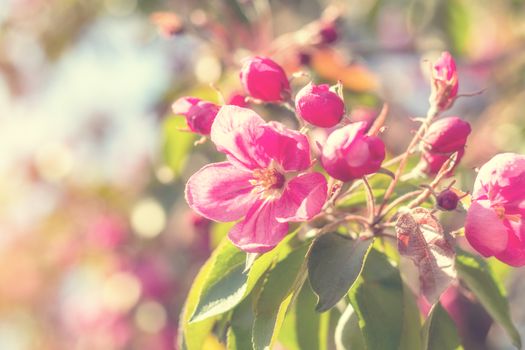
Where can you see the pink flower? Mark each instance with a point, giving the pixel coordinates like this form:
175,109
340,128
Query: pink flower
265,80
350,154
265,182
494,224
199,114
319,106
444,82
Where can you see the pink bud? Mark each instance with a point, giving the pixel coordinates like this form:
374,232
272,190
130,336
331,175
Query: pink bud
199,114
444,82
265,80
328,33
431,163
237,99
448,200
494,224
350,154
447,135
319,106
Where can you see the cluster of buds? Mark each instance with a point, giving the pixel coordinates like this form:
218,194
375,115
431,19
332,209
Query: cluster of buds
269,178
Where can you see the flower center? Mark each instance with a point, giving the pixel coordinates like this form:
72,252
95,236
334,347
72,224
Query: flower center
500,212
267,182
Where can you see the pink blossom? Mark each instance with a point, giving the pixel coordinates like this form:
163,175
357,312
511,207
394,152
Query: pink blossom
494,225
444,82
265,80
265,181
350,154
199,114
319,106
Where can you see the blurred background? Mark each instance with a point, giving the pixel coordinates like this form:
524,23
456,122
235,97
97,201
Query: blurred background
97,246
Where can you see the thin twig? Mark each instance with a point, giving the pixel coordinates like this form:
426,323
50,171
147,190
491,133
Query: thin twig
370,202
431,115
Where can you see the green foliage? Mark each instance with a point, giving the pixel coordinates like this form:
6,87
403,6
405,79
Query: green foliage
176,144
334,264
309,324
377,298
439,331
480,279
348,335
228,283
282,284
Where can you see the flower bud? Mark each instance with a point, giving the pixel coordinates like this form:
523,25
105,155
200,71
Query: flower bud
444,82
319,106
237,99
447,135
448,200
199,114
350,154
328,33
431,163
265,80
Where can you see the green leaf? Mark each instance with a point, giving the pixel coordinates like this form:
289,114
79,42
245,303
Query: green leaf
307,321
192,336
240,332
377,298
176,143
348,335
410,336
480,279
439,331
227,284
277,293
334,263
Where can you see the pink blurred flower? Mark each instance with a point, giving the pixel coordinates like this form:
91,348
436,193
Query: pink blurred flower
265,80
108,231
319,106
328,32
265,182
444,82
350,154
199,114
494,224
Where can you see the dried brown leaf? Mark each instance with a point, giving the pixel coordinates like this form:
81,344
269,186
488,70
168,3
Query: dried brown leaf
420,238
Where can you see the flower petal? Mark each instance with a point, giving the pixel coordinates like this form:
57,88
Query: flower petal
220,191
259,232
289,148
514,254
484,230
234,132
303,198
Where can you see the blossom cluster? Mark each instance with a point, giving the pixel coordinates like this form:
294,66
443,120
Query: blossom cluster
274,175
